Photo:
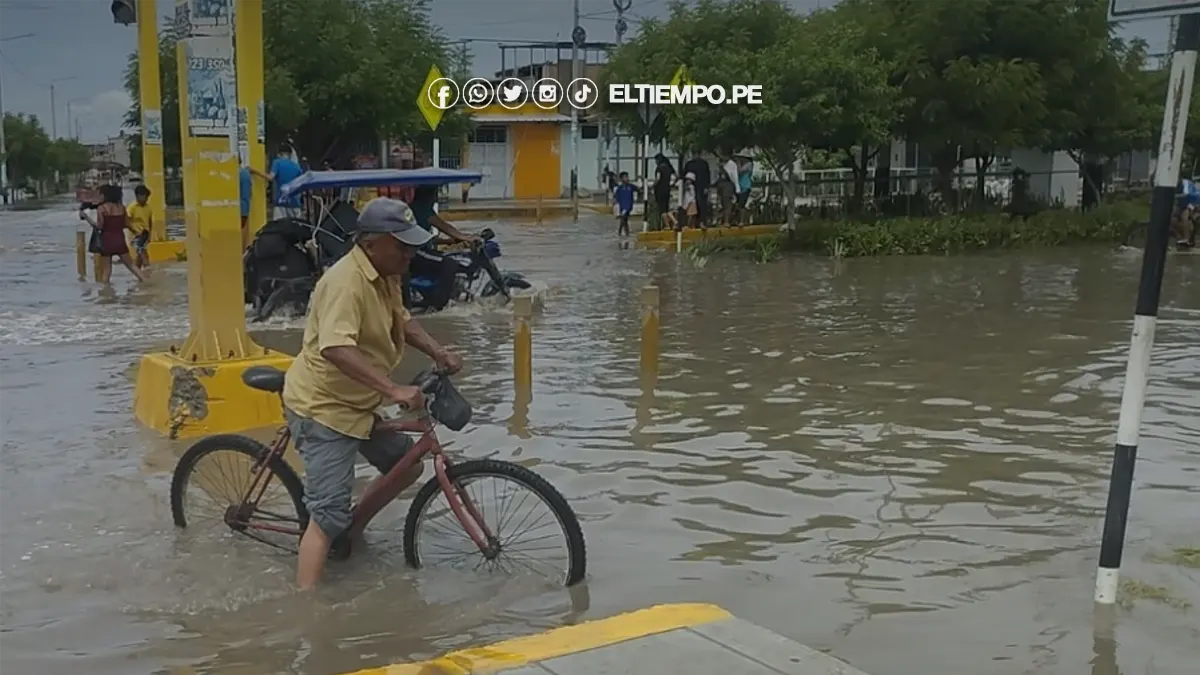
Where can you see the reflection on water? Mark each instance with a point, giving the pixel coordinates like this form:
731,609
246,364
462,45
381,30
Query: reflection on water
902,461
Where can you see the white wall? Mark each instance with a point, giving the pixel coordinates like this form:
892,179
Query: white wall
590,150
1053,177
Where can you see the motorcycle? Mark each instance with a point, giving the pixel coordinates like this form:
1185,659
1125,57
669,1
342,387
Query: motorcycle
477,277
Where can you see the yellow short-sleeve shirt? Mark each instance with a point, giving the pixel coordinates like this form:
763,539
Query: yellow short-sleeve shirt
352,305
139,218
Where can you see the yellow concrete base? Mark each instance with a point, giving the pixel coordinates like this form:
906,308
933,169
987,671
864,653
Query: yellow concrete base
691,236
172,250
561,641
183,400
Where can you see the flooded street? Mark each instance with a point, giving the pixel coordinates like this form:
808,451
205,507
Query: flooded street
901,461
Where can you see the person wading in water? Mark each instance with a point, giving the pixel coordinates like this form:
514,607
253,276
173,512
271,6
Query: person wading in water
111,222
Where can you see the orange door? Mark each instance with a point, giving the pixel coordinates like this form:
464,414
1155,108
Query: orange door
536,160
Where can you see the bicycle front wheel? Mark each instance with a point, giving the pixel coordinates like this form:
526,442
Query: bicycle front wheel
536,530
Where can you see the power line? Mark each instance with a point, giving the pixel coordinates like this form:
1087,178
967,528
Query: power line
22,73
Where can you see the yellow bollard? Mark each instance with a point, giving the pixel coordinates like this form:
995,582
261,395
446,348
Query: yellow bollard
650,318
81,255
523,345
96,266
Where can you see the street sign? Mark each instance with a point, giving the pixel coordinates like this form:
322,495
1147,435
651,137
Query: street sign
683,77
649,112
431,113
1137,10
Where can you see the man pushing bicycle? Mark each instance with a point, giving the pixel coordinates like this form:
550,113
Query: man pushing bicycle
354,337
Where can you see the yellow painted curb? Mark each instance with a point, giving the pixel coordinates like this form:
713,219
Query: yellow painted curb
180,399
522,212
166,251
560,641
667,237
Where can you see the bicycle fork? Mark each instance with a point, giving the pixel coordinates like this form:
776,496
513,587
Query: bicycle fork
465,511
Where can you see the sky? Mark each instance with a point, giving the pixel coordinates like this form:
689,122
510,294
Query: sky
77,47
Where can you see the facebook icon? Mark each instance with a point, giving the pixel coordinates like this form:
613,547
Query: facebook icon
443,93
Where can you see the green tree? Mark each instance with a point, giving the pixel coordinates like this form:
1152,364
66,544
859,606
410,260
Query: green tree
339,76
28,150
971,72
69,157
824,86
1114,107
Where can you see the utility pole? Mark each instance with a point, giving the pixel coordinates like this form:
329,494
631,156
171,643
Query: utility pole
54,106
3,146
619,28
577,38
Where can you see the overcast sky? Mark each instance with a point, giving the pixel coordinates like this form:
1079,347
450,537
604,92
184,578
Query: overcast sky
77,39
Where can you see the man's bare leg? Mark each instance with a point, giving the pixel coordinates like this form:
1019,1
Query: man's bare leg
314,546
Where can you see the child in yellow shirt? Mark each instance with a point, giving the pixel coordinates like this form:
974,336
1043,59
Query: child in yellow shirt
140,221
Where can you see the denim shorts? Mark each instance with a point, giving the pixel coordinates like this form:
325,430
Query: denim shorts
140,242
329,457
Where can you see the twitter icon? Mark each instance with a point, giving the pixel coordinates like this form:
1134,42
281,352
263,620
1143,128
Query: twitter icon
512,93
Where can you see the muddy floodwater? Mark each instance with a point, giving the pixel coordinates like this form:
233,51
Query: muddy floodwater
900,461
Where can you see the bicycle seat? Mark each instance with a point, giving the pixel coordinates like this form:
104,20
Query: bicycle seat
264,378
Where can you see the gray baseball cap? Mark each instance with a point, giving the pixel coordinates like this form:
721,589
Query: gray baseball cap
392,216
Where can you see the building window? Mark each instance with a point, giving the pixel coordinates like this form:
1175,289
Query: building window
590,131
488,134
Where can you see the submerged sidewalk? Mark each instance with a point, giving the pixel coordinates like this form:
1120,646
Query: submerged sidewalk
696,639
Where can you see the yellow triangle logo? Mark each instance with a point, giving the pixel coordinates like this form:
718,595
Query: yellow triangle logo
682,77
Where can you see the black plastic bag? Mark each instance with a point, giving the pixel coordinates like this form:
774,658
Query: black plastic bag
94,245
447,405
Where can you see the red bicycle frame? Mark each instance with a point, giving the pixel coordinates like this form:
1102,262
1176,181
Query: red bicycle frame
382,491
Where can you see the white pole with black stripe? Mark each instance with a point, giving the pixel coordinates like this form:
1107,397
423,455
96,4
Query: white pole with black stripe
1133,397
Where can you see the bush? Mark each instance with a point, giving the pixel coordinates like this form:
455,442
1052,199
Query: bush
939,236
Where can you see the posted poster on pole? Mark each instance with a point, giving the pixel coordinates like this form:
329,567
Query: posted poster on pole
152,127
262,121
206,15
243,135
212,102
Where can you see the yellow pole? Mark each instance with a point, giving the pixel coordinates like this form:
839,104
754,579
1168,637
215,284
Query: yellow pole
96,262
248,36
81,255
197,388
650,318
150,95
216,303
187,167
523,345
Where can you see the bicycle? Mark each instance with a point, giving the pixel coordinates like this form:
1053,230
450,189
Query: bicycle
246,513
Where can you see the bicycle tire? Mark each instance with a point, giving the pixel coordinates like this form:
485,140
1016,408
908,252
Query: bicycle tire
242,445
577,548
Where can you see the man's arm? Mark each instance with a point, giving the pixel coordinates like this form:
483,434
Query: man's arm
415,335
337,336
260,174
449,229
353,362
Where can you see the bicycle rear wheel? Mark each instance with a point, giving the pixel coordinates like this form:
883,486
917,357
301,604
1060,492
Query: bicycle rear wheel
214,477
525,528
